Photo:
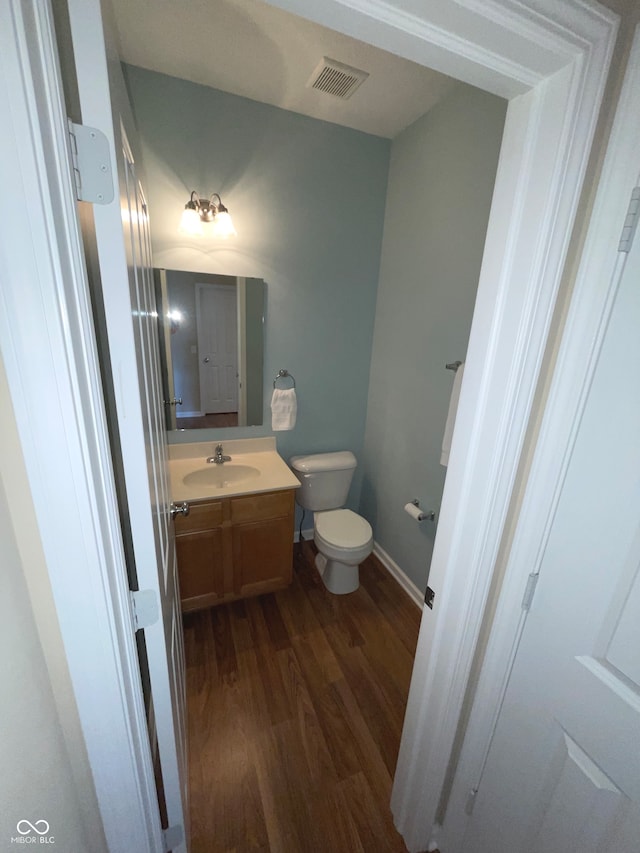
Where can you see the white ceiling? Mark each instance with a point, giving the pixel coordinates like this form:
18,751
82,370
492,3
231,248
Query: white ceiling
251,49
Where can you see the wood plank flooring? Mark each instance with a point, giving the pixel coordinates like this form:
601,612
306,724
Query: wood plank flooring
223,419
295,708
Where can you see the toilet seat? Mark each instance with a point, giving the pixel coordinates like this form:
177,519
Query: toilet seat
343,528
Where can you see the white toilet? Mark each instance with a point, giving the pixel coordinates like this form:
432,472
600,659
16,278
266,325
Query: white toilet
343,538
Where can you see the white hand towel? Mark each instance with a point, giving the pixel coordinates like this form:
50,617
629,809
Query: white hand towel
451,416
284,408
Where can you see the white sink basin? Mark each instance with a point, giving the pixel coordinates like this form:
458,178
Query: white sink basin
220,476
255,467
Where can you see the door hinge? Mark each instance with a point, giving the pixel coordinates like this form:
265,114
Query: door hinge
630,222
172,837
429,597
471,801
92,170
144,607
529,590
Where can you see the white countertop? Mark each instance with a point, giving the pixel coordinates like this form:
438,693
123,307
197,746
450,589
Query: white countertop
257,453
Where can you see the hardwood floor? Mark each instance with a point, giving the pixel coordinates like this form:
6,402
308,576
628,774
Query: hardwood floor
225,419
295,708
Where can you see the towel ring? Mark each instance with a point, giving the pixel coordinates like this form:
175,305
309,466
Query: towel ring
284,374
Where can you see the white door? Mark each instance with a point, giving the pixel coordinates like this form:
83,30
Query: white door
156,569
216,310
125,268
563,771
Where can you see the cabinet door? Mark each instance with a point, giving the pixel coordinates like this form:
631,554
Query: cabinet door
262,555
200,568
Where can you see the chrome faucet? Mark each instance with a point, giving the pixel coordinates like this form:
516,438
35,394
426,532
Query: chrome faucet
219,458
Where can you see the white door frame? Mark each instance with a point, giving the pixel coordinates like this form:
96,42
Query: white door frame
599,274
48,347
241,312
552,64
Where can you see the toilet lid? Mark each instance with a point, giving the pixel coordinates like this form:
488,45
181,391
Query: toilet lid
343,528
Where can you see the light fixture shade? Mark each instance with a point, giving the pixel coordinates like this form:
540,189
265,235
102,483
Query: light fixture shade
190,223
223,225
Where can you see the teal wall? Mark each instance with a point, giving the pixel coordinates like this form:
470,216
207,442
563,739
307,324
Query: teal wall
307,199
441,181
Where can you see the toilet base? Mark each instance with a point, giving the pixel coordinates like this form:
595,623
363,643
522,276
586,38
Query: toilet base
339,578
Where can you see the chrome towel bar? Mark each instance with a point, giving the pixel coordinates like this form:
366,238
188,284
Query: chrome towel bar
284,374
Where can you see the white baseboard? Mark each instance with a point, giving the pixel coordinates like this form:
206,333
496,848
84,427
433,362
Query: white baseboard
306,534
189,415
399,576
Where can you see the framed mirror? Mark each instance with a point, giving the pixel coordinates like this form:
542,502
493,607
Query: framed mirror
211,335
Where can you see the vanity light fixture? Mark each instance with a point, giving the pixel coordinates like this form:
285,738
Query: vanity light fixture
212,210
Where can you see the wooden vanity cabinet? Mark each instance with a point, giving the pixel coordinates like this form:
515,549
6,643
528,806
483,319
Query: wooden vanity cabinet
234,548
200,551
262,537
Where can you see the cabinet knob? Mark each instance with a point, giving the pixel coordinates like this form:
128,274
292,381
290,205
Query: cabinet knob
179,509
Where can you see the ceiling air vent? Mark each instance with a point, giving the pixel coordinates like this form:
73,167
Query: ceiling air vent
336,79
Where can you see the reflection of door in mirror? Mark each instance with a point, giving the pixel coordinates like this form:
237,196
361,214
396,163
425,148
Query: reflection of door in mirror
211,335
217,325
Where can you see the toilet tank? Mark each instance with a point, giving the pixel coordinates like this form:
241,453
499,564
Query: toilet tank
325,479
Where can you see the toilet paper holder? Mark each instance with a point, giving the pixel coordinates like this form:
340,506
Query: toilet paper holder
425,515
